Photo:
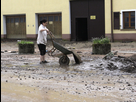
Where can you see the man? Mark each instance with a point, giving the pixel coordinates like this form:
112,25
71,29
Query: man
42,40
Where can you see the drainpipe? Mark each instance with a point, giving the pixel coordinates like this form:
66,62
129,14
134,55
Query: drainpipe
112,37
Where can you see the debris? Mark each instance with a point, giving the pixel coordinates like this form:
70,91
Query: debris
111,66
129,63
110,55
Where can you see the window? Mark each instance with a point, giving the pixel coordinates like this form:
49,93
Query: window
60,18
21,19
54,23
16,20
128,19
8,20
56,18
50,18
41,18
45,18
12,20
116,20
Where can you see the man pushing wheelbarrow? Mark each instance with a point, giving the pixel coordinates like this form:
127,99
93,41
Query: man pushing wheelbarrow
64,60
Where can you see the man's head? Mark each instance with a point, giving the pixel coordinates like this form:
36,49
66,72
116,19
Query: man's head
44,22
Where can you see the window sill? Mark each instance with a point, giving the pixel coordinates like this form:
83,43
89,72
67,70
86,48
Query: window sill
127,29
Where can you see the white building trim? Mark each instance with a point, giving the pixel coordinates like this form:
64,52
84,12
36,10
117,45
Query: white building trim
121,17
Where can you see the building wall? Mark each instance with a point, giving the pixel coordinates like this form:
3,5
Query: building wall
119,5
31,7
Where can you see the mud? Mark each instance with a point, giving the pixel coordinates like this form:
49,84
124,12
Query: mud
24,79
128,63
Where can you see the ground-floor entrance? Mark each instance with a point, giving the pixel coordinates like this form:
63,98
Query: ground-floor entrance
81,29
54,23
16,27
87,19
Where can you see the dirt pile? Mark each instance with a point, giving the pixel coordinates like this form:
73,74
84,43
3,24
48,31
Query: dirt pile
128,63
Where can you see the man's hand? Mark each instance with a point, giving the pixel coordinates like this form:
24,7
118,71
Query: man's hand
47,31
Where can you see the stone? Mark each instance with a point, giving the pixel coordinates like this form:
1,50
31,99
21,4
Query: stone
2,51
13,52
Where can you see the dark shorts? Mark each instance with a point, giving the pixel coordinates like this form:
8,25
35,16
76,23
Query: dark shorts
42,49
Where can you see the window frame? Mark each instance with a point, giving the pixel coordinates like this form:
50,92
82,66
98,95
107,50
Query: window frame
122,17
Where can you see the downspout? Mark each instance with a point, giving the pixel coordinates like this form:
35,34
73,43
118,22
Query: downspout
112,37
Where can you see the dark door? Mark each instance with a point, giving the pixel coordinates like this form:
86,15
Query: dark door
93,11
81,29
97,19
79,9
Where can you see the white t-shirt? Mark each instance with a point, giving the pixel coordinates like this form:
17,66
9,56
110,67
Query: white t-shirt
42,35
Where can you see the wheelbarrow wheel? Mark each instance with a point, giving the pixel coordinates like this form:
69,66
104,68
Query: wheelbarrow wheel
64,60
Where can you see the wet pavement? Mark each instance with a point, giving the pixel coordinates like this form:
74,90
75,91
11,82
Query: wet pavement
23,79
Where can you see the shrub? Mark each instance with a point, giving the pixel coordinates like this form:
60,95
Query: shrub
101,40
25,42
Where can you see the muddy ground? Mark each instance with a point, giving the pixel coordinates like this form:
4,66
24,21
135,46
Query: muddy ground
23,79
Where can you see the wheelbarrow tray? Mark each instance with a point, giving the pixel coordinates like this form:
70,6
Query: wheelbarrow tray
61,48
66,52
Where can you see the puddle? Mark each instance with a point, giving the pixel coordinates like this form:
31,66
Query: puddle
11,92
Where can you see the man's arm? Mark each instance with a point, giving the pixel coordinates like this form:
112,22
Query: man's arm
42,30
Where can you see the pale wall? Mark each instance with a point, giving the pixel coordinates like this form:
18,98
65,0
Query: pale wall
118,5
107,16
30,7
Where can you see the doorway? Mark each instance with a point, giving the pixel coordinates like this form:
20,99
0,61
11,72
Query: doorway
54,23
16,27
81,29
87,19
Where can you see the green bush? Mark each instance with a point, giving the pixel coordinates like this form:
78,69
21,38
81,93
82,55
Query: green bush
25,42
101,40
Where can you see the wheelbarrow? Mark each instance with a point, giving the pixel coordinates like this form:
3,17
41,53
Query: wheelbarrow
64,60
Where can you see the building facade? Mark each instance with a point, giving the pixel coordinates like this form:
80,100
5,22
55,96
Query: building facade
79,20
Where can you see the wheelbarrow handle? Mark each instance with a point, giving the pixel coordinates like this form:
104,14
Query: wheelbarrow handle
51,35
50,52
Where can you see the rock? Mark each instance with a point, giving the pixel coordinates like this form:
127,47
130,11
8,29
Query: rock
115,53
85,84
6,80
64,78
128,83
111,66
13,52
133,57
2,51
79,52
108,56
26,63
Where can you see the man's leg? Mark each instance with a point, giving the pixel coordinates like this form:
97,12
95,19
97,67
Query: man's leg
42,58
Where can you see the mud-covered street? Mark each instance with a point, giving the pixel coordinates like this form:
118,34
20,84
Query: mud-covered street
23,79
